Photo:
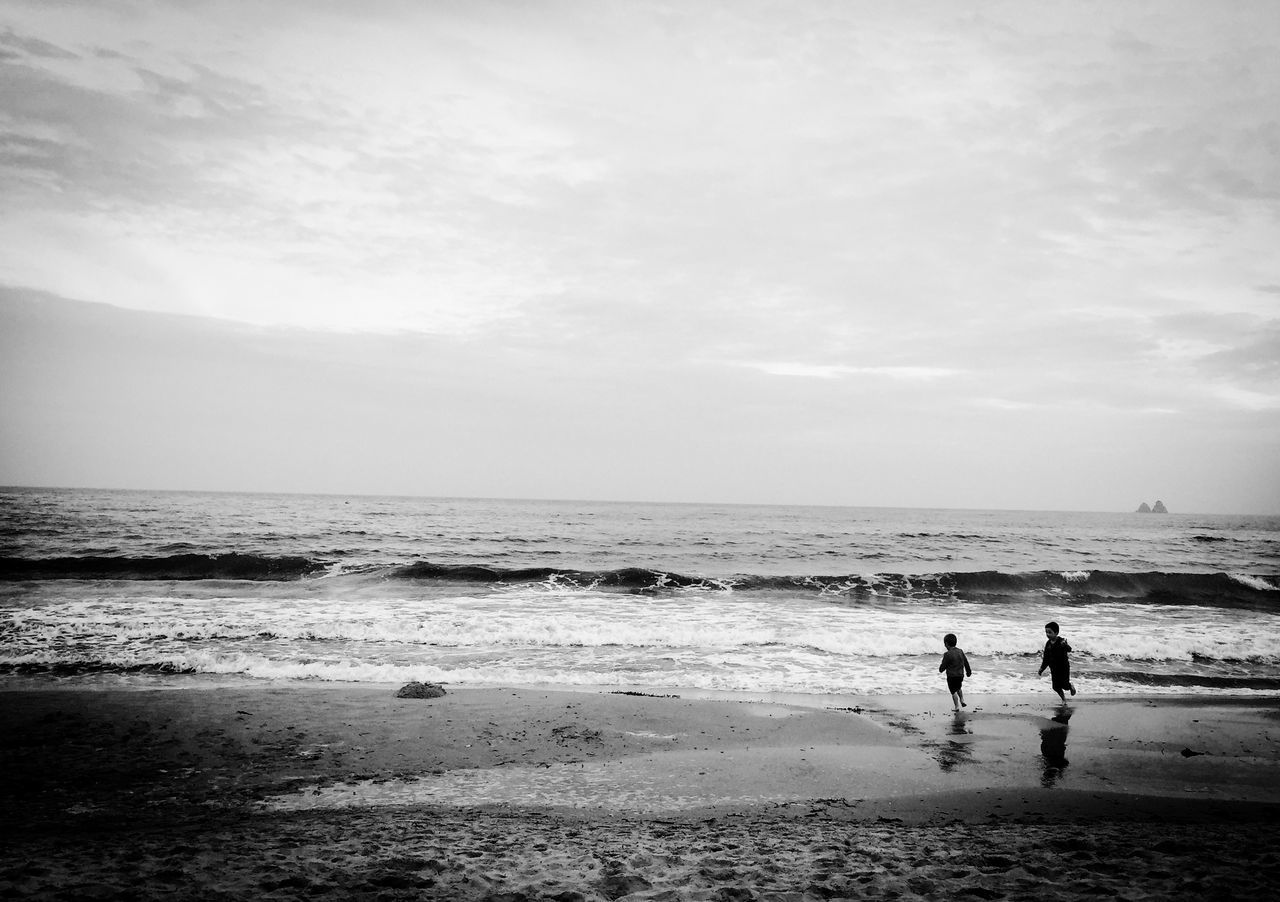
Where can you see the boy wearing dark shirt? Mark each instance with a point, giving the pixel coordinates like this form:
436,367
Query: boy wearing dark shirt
1055,659
956,666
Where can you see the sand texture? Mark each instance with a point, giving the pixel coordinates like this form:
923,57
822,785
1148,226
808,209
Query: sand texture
322,791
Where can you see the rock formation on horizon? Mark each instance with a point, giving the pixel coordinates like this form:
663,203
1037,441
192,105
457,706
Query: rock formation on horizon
1144,508
1159,508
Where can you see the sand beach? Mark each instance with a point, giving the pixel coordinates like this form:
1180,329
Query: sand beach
347,792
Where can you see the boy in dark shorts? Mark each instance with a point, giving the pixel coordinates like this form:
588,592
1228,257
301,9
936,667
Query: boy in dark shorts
1055,658
956,666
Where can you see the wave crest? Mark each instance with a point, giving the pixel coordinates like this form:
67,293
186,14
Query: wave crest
232,565
1215,589
1227,590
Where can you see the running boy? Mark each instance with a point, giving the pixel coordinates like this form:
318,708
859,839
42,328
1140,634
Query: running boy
957,668
1055,658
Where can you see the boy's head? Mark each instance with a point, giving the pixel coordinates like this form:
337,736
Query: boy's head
949,640
1051,629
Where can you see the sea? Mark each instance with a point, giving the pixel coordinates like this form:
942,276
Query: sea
146,589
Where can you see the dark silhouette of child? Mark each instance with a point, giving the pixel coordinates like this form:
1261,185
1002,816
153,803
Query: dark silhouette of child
956,666
1055,659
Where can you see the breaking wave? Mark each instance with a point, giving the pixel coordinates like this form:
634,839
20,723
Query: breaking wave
1228,590
232,565
1214,589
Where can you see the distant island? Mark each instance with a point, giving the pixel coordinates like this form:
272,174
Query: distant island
1143,508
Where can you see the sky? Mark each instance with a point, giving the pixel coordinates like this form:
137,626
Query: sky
928,254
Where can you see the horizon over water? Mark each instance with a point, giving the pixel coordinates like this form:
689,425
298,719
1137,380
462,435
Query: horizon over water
14,488
151,588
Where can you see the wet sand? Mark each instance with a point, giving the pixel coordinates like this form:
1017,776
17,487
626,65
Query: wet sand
346,792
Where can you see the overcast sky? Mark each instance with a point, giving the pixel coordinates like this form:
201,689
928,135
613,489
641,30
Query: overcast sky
1020,255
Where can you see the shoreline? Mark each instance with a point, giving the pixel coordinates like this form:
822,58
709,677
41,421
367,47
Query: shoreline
607,795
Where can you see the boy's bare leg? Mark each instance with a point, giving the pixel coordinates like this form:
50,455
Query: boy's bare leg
955,701
960,696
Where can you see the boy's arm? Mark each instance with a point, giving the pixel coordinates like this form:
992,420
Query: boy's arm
1044,659
968,671
943,665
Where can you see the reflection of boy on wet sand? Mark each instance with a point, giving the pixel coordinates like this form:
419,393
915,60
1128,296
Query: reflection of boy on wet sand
1053,747
1055,658
957,668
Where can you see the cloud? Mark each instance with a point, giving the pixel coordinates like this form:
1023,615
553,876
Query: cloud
1244,399
922,210
832,371
177,401
846,158
17,47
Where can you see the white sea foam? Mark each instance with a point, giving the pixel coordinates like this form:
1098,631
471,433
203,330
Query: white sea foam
687,627
378,630
1253,582
848,632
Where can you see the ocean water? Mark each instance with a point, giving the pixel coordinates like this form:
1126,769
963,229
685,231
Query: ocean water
147,589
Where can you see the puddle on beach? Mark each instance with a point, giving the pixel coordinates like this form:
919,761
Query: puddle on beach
615,787
672,781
